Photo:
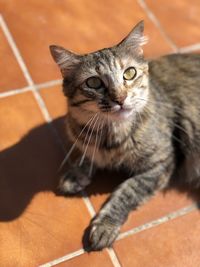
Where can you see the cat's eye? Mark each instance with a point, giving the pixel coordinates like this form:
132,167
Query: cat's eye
129,74
94,82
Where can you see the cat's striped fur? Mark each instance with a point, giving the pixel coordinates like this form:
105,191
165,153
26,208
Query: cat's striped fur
148,125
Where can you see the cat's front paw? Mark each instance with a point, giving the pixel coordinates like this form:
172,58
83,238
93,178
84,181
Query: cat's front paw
73,182
103,232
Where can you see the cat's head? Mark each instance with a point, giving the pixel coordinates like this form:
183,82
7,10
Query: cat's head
112,82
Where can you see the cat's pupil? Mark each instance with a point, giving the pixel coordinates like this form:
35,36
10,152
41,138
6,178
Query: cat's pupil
129,73
94,82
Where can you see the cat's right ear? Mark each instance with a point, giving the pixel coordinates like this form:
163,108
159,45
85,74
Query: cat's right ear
135,39
66,60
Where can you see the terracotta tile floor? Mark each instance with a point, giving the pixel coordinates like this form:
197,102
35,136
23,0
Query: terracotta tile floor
38,227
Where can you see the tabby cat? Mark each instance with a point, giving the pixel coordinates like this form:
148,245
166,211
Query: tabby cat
127,113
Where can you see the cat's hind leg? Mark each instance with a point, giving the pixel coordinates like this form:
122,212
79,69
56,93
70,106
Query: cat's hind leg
189,171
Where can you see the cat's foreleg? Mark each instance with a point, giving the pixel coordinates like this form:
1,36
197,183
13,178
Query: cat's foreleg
105,226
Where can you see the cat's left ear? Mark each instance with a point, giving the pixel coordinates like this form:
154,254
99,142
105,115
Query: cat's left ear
66,60
135,39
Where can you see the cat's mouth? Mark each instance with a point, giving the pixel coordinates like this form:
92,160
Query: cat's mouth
118,112
122,113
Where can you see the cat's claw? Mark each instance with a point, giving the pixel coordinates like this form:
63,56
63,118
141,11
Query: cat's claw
102,234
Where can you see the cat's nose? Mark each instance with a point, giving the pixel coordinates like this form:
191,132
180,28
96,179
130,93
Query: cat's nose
120,99
119,102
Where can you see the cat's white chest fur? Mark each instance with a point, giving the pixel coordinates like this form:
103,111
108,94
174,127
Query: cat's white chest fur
110,158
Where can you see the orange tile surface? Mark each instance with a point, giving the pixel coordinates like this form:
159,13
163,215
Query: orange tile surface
180,19
79,26
11,74
56,104
175,243
55,101
37,226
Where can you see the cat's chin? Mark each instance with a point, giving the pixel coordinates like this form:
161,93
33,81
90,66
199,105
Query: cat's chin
121,114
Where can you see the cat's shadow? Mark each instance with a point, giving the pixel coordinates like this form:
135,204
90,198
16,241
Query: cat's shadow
30,166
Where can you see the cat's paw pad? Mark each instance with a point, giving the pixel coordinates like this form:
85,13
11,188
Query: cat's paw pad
72,183
102,234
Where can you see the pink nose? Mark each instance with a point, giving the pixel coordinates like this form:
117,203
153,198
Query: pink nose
120,99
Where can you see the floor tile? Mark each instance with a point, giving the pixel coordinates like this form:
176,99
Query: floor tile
56,104
18,115
95,259
160,205
175,243
79,26
180,19
11,74
55,101
36,226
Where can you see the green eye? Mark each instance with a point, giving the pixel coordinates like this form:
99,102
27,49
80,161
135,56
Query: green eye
94,82
129,73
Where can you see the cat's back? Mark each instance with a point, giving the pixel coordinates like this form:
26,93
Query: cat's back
175,81
176,71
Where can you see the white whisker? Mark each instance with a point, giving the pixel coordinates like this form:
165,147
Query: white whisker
167,105
85,140
86,136
97,145
73,146
93,154
83,157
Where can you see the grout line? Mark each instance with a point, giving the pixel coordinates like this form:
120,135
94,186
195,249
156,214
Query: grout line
38,86
153,18
25,71
92,212
164,219
15,92
32,87
48,84
113,257
64,258
15,50
88,204
42,106
47,117
152,224
190,48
